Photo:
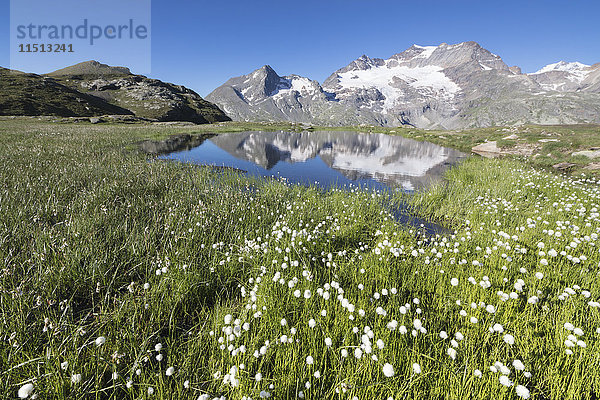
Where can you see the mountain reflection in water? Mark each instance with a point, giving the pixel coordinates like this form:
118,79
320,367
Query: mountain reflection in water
327,158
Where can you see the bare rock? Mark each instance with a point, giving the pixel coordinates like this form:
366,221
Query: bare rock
563,166
487,149
592,166
587,153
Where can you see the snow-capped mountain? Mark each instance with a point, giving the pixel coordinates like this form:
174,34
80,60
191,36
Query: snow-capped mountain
567,76
445,86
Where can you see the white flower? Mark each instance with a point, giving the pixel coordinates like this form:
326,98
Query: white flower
146,286
64,365
25,390
454,282
509,339
258,377
228,318
150,391
159,357
473,320
416,368
328,342
505,381
170,371
459,336
522,391
539,275
307,294
312,323
443,335
568,326
309,360
477,373
578,331
451,352
388,370
100,340
358,353
490,308
158,347
518,365
498,328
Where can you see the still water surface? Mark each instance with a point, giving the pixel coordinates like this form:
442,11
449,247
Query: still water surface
327,158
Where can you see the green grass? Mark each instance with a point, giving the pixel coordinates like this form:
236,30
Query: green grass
86,222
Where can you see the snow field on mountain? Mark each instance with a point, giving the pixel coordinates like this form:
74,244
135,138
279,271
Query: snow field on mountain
429,81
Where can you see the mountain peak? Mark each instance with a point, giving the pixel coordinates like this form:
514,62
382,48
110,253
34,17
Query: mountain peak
91,67
563,66
266,68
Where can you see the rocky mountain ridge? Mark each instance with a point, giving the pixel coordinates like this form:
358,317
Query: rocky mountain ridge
92,89
445,86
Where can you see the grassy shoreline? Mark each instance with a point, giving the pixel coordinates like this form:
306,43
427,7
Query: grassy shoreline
116,270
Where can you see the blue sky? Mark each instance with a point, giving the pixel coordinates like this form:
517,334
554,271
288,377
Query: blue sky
201,44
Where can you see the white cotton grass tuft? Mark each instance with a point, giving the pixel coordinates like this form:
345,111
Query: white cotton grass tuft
519,366
522,392
504,380
509,339
25,390
170,371
388,370
568,326
100,340
310,360
416,368
451,353
539,275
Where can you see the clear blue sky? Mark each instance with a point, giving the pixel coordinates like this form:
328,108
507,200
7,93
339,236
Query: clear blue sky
201,44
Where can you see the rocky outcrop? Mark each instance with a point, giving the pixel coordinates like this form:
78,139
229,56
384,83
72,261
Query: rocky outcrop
142,96
31,94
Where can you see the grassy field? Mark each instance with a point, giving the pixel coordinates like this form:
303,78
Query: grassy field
127,279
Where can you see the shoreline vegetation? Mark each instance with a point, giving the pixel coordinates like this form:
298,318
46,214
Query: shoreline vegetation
124,279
